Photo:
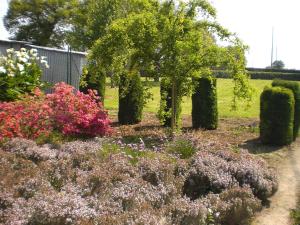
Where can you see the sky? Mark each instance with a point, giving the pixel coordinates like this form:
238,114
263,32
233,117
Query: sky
252,21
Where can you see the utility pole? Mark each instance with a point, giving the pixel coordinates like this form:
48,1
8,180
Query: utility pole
272,47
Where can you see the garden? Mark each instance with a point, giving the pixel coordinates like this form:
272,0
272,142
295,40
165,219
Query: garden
152,136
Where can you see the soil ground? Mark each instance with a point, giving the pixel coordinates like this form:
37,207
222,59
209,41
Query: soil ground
286,198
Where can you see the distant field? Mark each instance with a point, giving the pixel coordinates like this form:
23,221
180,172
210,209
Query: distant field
224,88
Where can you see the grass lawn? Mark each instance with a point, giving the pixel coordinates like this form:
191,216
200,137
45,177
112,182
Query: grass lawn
225,92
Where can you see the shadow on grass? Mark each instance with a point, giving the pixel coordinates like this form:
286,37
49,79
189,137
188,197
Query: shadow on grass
114,124
255,146
190,129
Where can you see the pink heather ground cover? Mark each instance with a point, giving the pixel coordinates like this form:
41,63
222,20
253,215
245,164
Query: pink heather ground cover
97,182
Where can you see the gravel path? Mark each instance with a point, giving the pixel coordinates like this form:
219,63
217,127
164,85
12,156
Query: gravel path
288,191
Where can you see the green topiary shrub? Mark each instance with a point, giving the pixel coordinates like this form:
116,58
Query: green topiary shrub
164,113
131,99
204,104
96,82
277,116
295,88
165,110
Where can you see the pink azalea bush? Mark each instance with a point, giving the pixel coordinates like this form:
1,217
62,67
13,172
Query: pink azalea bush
77,113
65,110
29,117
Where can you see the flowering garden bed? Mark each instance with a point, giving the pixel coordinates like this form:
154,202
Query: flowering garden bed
113,181
138,175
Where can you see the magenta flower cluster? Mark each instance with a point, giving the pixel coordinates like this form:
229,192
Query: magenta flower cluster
65,110
76,113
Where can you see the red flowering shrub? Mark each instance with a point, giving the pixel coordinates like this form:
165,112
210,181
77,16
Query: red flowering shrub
70,112
76,113
26,118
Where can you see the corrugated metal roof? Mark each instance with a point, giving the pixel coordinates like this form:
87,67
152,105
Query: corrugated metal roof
41,47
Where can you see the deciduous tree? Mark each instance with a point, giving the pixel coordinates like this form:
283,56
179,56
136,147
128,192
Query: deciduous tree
172,39
42,22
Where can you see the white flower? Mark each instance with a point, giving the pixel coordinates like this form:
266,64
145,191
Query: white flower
33,51
10,50
44,62
43,57
2,69
11,74
23,49
11,65
18,54
20,66
23,59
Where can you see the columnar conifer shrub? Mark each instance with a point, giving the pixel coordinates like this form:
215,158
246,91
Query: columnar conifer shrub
131,99
95,81
204,103
164,113
277,116
165,110
66,111
295,88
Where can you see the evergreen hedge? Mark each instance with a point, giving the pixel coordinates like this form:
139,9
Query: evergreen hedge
295,88
204,103
96,82
277,116
131,99
165,111
262,75
165,103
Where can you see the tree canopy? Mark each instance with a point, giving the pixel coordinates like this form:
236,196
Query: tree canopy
278,64
42,22
172,39
92,17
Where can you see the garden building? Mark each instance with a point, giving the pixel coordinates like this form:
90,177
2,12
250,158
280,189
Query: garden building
64,65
